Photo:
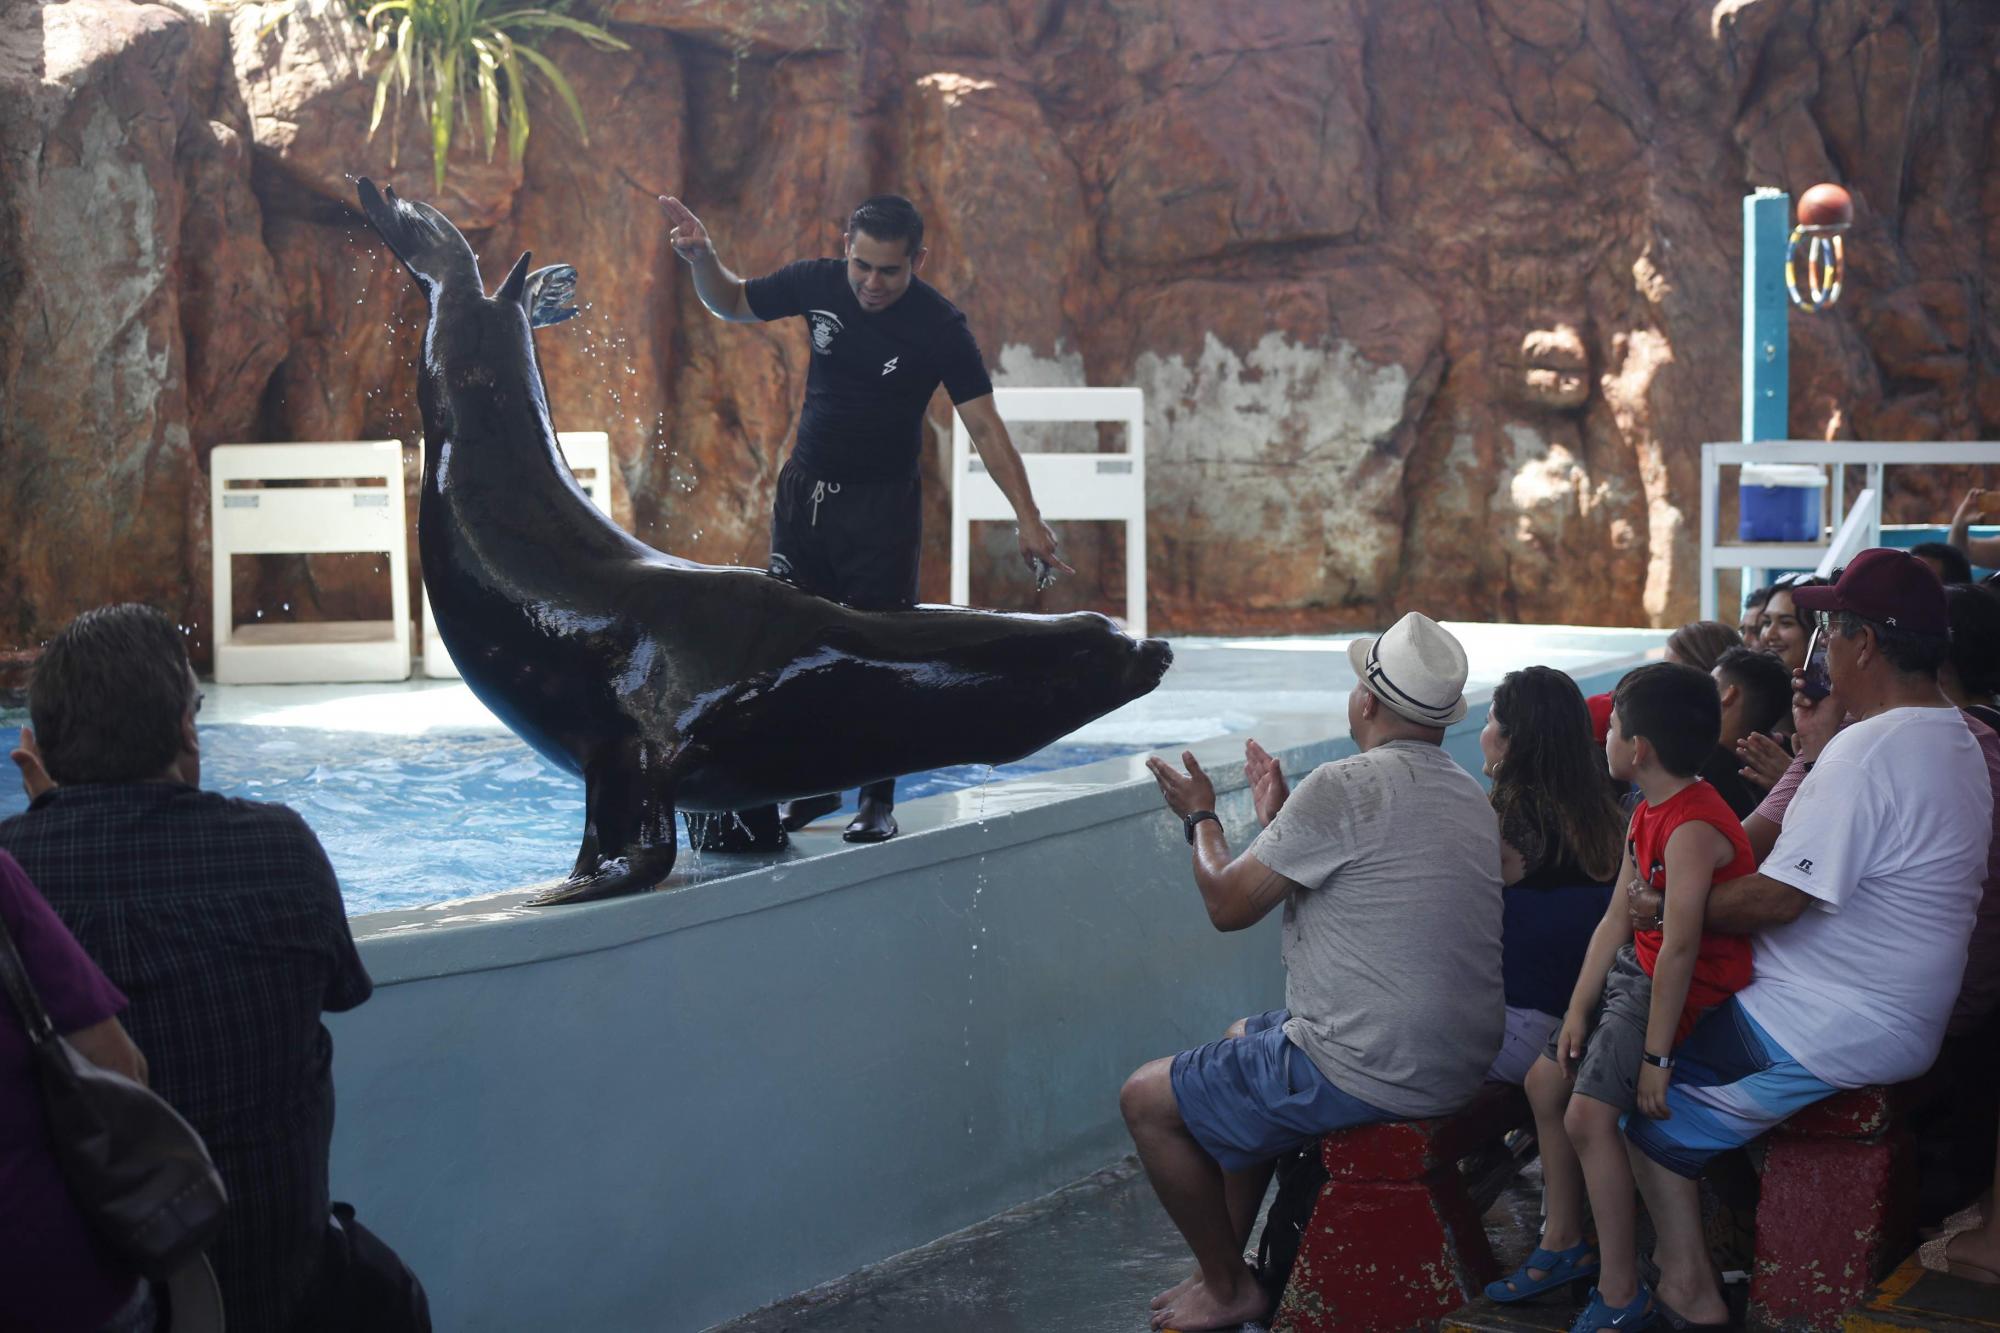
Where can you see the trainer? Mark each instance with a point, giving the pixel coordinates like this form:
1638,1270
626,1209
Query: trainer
847,520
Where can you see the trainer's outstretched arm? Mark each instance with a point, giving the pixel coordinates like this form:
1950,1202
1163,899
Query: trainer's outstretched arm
719,289
1004,465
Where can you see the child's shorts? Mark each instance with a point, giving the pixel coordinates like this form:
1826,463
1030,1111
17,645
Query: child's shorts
1609,1069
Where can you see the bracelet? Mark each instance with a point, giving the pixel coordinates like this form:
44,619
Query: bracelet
1195,817
1657,1061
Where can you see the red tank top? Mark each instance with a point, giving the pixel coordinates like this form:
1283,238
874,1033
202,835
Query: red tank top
1723,966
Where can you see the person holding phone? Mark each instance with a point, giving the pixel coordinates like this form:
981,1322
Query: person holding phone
1860,915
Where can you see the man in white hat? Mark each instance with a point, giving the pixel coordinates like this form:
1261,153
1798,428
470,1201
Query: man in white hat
1388,866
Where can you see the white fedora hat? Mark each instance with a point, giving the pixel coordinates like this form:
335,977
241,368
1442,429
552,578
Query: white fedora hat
1417,668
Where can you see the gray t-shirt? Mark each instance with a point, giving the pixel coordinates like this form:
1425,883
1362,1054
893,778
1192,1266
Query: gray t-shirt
1392,944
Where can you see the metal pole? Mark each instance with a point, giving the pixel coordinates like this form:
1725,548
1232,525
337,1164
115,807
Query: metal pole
1767,353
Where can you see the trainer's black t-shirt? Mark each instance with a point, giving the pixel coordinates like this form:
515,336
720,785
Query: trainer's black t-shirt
872,374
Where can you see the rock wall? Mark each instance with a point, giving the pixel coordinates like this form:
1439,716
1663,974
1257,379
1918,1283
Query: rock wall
1433,304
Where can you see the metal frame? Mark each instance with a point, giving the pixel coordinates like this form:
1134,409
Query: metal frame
1067,486
1874,456
360,511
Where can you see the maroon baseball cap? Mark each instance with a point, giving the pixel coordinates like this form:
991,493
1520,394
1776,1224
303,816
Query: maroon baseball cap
1887,586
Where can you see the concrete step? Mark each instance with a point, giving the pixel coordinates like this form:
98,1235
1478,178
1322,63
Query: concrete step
1914,1297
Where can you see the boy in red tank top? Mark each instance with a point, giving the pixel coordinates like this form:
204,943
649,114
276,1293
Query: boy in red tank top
1638,994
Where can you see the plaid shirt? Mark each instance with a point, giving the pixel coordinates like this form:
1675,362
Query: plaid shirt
222,922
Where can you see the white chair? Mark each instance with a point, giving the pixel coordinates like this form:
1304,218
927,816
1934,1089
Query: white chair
1067,486
358,510
588,453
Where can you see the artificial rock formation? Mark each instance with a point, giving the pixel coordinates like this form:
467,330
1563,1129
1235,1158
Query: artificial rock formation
1433,304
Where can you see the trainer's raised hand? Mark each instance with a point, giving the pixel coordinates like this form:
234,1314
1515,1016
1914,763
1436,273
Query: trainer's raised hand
688,237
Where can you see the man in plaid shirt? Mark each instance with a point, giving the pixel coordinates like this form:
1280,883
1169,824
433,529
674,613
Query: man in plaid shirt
222,922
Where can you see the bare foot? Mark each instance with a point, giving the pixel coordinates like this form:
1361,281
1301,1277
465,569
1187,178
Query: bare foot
1175,1292
1200,1309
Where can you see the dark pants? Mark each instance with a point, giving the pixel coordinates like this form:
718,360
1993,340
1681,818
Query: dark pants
854,542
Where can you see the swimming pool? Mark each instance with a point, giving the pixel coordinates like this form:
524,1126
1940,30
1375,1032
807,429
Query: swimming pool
413,820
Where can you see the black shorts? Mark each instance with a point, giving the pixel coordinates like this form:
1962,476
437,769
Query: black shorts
852,541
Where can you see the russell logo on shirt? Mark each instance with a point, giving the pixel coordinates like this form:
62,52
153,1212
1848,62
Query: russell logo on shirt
1804,866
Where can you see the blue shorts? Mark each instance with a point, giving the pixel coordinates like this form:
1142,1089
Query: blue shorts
1252,1098
1732,1081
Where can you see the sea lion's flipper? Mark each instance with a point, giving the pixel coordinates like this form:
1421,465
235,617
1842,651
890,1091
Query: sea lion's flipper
550,296
423,238
628,833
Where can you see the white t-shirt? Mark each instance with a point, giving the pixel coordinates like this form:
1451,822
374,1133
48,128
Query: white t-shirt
1888,834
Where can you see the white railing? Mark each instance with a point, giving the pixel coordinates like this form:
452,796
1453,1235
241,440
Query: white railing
1067,486
354,505
1856,530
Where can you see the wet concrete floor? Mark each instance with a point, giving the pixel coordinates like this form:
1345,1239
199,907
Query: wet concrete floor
1085,1259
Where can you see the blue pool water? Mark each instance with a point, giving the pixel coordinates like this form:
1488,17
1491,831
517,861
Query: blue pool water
413,820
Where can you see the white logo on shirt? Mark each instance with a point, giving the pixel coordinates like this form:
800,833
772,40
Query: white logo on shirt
824,325
890,364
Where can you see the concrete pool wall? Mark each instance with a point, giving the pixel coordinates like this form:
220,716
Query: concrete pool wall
663,1111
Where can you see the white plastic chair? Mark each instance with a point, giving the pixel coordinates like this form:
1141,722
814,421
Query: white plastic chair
362,513
588,453
1066,486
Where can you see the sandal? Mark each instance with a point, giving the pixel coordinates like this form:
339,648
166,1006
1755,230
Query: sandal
1560,1268
1599,1314
1935,1255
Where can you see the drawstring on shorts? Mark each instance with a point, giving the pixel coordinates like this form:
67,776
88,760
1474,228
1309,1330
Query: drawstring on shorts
822,489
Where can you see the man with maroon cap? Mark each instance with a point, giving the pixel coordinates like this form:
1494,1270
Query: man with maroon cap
1859,916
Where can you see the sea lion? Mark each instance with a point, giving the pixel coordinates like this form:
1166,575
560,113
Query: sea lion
668,684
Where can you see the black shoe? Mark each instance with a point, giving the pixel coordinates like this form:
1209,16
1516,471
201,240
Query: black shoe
876,822
754,830
795,815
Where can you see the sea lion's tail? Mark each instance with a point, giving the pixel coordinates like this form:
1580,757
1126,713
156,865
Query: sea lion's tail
423,238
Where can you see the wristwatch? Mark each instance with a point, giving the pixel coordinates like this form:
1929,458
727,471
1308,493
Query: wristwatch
1657,1061
1193,817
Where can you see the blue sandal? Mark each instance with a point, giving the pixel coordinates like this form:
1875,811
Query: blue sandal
1599,1314
1560,1268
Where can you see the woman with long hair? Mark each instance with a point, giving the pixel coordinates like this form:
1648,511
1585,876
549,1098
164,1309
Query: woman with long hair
1561,834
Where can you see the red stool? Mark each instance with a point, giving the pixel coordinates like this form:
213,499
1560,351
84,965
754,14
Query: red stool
1394,1243
1836,1211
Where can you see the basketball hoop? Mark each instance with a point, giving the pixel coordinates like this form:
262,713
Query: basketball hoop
1825,211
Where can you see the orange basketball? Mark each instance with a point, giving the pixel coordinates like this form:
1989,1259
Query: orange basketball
1826,206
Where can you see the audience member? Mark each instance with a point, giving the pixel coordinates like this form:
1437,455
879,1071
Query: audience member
1750,624
1638,993
1387,864
1981,551
1701,643
54,1275
222,922
1784,633
1860,915
1946,561
1561,835
1970,676
1756,694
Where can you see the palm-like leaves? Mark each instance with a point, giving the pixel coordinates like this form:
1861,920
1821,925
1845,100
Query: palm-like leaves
447,53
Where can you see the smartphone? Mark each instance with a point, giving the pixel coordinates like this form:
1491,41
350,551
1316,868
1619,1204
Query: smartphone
1818,681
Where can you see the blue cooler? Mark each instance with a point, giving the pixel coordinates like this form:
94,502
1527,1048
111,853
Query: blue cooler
1780,502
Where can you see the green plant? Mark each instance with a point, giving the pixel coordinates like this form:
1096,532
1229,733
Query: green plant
447,52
